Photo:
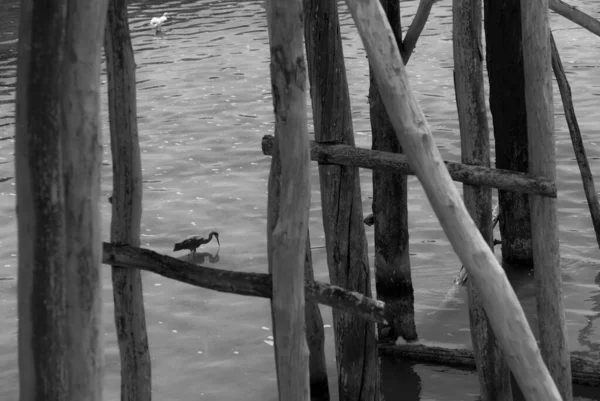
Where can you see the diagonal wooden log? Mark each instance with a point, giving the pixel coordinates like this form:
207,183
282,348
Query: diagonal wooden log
249,284
578,147
500,302
416,28
575,15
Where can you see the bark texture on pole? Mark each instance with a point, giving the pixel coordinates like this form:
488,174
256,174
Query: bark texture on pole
393,279
499,300
507,104
347,258
58,164
494,375
130,319
289,197
544,219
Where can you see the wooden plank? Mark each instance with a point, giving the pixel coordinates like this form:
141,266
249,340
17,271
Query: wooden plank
289,197
584,166
585,371
393,281
130,316
500,302
347,257
58,187
494,375
473,175
544,219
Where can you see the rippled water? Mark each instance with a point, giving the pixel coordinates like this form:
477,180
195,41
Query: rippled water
204,105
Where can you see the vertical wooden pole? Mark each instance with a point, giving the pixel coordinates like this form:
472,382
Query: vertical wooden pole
315,338
499,300
58,188
494,375
544,224
347,258
130,318
507,103
393,279
289,197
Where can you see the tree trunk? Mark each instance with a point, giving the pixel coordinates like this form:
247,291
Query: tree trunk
289,198
58,188
494,375
393,279
347,259
544,217
130,320
507,104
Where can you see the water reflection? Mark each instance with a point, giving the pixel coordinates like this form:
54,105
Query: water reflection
200,258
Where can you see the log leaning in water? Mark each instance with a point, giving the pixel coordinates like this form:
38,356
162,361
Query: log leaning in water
585,372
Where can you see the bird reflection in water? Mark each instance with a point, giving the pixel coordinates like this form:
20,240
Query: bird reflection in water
200,258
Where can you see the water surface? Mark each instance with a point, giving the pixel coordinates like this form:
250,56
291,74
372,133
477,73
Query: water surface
204,104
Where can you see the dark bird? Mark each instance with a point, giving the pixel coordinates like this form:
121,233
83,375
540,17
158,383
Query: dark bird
193,243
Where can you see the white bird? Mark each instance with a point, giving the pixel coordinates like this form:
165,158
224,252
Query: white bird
156,23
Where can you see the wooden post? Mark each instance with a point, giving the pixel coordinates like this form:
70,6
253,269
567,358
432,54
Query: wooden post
130,320
507,104
584,166
499,300
289,197
58,188
494,375
315,337
544,219
347,258
393,279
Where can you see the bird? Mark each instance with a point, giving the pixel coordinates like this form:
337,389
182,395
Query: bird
194,242
156,23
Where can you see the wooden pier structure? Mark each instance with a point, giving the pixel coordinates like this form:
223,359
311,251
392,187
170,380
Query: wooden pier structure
60,253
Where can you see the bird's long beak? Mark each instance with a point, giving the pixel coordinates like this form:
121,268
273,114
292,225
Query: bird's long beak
217,238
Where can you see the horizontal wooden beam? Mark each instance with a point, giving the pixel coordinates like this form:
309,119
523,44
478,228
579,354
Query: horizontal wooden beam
585,371
249,284
473,175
